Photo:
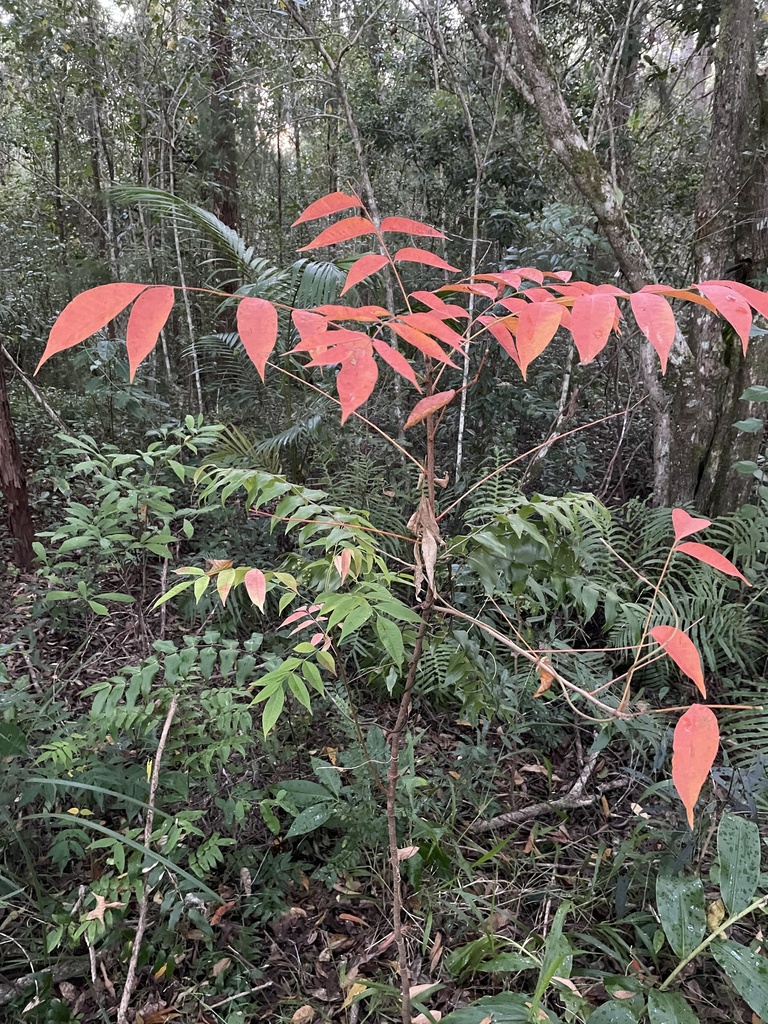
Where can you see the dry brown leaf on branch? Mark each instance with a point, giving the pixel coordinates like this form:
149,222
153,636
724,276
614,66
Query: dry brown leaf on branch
423,526
406,852
546,678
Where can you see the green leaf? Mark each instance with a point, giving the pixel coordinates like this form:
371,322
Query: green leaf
178,469
749,426
680,903
614,1013
98,608
507,962
177,590
757,393
13,742
310,819
391,639
669,1008
747,971
356,618
745,467
272,710
738,849
507,1008
299,690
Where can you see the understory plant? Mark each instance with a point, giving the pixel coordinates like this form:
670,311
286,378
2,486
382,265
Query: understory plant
360,604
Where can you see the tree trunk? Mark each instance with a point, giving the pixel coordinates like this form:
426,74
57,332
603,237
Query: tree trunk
223,137
13,484
694,443
729,236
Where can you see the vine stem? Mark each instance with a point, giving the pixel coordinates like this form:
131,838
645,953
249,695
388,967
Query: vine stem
711,938
141,926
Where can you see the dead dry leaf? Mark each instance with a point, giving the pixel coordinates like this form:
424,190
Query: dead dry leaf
406,852
97,914
416,990
304,1015
423,1019
219,912
356,990
423,526
546,677
221,965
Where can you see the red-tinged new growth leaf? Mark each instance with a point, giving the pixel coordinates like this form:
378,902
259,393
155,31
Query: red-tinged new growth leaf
88,313
679,293
682,651
685,524
356,380
705,553
694,749
148,315
427,406
397,361
407,226
732,307
592,320
342,562
656,320
429,259
503,335
257,326
440,308
536,327
757,300
363,268
335,202
342,231
256,586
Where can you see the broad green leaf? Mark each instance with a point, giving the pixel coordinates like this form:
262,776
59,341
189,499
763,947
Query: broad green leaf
272,710
738,848
749,426
391,639
747,971
507,1008
507,962
299,690
669,1008
680,903
13,742
614,1013
310,819
557,955
757,393
356,618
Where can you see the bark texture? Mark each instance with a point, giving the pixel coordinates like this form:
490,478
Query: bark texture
729,242
223,137
693,438
13,484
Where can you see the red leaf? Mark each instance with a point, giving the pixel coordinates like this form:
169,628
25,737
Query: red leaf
342,562
341,231
440,308
397,361
256,585
430,323
429,259
148,315
679,293
427,406
732,307
421,341
530,274
694,749
685,524
219,913
257,326
410,227
503,335
656,320
536,327
705,553
682,651
504,277
757,300
362,314
334,346
311,327
592,320
88,313
363,268
335,202
356,380
486,290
